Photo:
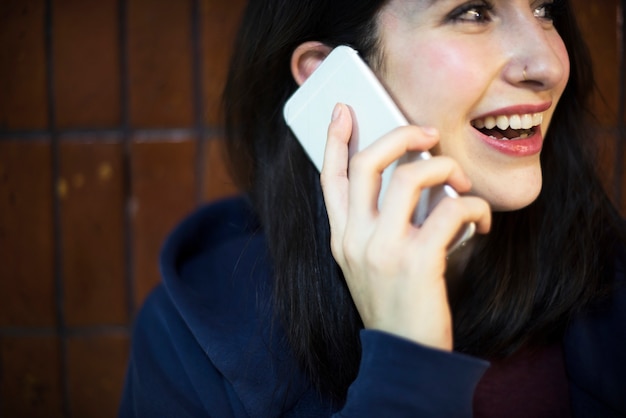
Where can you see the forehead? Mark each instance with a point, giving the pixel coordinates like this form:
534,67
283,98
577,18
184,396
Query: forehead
415,9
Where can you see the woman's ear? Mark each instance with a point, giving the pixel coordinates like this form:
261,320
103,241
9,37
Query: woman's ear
306,58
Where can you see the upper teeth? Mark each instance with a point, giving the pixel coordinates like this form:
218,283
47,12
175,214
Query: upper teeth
503,122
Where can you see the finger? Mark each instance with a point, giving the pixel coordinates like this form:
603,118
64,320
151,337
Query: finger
445,221
334,175
405,187
366,167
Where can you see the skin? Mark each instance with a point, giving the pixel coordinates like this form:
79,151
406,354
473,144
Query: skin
443,73
446,73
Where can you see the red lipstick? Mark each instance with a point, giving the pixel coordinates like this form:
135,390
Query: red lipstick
516,147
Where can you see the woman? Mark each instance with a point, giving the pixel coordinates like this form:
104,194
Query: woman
305,299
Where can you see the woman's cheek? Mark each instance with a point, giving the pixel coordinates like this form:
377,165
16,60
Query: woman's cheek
432,84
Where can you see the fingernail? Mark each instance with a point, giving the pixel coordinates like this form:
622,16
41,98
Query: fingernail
336,111
430,131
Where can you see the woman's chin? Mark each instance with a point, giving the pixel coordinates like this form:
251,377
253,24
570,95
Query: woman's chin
507,199
513,201
508,190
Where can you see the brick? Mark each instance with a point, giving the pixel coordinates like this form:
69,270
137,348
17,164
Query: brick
23,70
599,25
31,377
219,23
26,234
95,374
217,183
160,63
92,218
87,63
163,192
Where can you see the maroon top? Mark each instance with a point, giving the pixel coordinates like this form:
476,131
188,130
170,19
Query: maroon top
530,383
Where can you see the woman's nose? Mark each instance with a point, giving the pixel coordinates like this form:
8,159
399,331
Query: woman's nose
538,57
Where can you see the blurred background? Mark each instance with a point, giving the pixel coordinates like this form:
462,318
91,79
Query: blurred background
109,135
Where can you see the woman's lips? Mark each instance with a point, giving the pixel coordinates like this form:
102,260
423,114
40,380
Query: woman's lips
518,147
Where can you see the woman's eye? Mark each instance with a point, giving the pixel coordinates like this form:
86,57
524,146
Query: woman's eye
473,13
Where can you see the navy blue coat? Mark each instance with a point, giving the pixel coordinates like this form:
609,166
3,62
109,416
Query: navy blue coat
205,344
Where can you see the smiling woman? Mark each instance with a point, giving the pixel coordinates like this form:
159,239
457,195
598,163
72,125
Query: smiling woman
480,62
304,297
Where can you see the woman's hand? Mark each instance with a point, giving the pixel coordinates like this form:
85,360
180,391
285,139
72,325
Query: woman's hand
395,270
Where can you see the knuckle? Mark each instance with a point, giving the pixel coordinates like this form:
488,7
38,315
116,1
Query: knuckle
485,207
350,251
336,246
446,159
412,131
448,162
406,175
452,207
360,162
336,249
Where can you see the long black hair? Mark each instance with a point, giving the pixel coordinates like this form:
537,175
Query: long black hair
525,279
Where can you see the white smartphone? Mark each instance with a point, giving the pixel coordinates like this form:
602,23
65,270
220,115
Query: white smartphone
343,77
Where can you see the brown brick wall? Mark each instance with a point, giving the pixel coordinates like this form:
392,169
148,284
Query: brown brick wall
109,135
